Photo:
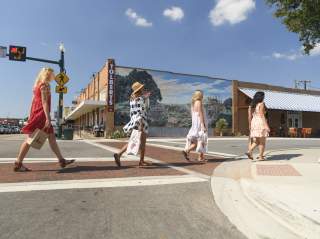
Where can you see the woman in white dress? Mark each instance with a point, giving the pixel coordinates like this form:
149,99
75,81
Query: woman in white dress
138,121
198,129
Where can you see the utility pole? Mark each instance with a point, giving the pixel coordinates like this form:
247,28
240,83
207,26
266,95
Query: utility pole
304,82
60,105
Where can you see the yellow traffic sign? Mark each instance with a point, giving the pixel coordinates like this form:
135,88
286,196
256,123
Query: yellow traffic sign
61,89
62,79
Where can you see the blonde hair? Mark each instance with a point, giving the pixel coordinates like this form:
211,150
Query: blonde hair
43,76
197,95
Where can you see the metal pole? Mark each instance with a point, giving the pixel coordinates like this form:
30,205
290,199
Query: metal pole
60,104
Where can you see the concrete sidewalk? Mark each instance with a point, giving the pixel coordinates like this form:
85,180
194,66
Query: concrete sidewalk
275,198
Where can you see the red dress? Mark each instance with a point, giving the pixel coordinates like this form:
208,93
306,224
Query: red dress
37,118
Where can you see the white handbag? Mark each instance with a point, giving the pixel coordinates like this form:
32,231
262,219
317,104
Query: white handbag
134,142
202,145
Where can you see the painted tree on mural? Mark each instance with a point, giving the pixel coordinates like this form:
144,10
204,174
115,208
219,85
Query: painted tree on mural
157,115
301,17
124,83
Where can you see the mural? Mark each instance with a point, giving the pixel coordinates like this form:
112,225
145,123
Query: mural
170,99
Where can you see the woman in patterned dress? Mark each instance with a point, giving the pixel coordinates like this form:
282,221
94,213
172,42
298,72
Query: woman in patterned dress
39,118
258,125
138,121
199,126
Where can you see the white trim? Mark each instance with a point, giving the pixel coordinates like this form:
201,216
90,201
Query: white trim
91,104
55,160
179,149
98,183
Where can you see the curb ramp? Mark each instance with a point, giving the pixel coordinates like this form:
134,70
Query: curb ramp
242,210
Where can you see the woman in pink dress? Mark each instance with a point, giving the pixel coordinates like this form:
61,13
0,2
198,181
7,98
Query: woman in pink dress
39,118
258,125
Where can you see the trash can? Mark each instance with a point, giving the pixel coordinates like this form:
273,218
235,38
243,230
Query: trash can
68,133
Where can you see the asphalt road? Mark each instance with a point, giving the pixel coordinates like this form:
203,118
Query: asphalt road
160,212
239,146
184,210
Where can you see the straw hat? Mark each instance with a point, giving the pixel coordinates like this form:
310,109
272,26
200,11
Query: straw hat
136,87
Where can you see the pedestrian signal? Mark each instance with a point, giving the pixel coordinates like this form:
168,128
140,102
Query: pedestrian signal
17,53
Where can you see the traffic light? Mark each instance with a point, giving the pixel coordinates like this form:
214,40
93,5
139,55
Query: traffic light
17,53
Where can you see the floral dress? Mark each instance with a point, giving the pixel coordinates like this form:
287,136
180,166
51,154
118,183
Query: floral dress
258,128
138,114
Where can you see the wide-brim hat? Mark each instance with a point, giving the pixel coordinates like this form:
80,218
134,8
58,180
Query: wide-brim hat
136,87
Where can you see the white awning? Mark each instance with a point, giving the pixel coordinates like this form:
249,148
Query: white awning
85,107
287,101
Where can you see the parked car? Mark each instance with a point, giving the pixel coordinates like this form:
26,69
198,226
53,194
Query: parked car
2,129
6,129
16,130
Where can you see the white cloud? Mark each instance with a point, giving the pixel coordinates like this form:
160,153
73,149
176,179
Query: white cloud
231,11
138,20
315,51
174,13
296,55
287,56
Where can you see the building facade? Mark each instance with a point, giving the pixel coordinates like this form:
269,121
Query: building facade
105,103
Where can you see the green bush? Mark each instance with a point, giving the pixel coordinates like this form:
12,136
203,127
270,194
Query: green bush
221,124
118,134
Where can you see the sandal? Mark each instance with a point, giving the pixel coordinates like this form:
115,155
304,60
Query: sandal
185,154
19,167
249,155
144,163
117,159
261,158
202,160
64,162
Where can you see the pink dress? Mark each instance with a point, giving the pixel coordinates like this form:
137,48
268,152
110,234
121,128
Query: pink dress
258,128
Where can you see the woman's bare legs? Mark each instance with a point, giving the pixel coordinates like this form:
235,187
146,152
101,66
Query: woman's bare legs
252,146
143,148
24,149
192,147
118,155
122,150
54,146
262,146
18,166
186,152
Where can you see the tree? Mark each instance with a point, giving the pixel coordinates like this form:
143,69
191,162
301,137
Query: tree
302,17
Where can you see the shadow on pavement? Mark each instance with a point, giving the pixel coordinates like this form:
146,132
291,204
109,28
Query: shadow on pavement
282,157
78,169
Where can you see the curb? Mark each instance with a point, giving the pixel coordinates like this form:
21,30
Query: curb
249,217
285,215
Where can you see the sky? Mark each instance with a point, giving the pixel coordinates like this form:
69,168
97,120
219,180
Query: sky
232,39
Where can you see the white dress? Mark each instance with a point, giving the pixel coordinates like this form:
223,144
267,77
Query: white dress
196,134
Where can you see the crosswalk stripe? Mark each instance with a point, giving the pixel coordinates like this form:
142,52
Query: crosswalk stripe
98,183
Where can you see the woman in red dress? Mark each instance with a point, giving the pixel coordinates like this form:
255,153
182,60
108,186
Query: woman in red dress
39,118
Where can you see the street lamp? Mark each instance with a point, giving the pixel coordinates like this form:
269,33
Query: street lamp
61,47
60,105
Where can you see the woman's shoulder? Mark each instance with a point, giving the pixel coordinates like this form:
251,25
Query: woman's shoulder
44,86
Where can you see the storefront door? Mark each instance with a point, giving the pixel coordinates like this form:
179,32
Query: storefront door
294,119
